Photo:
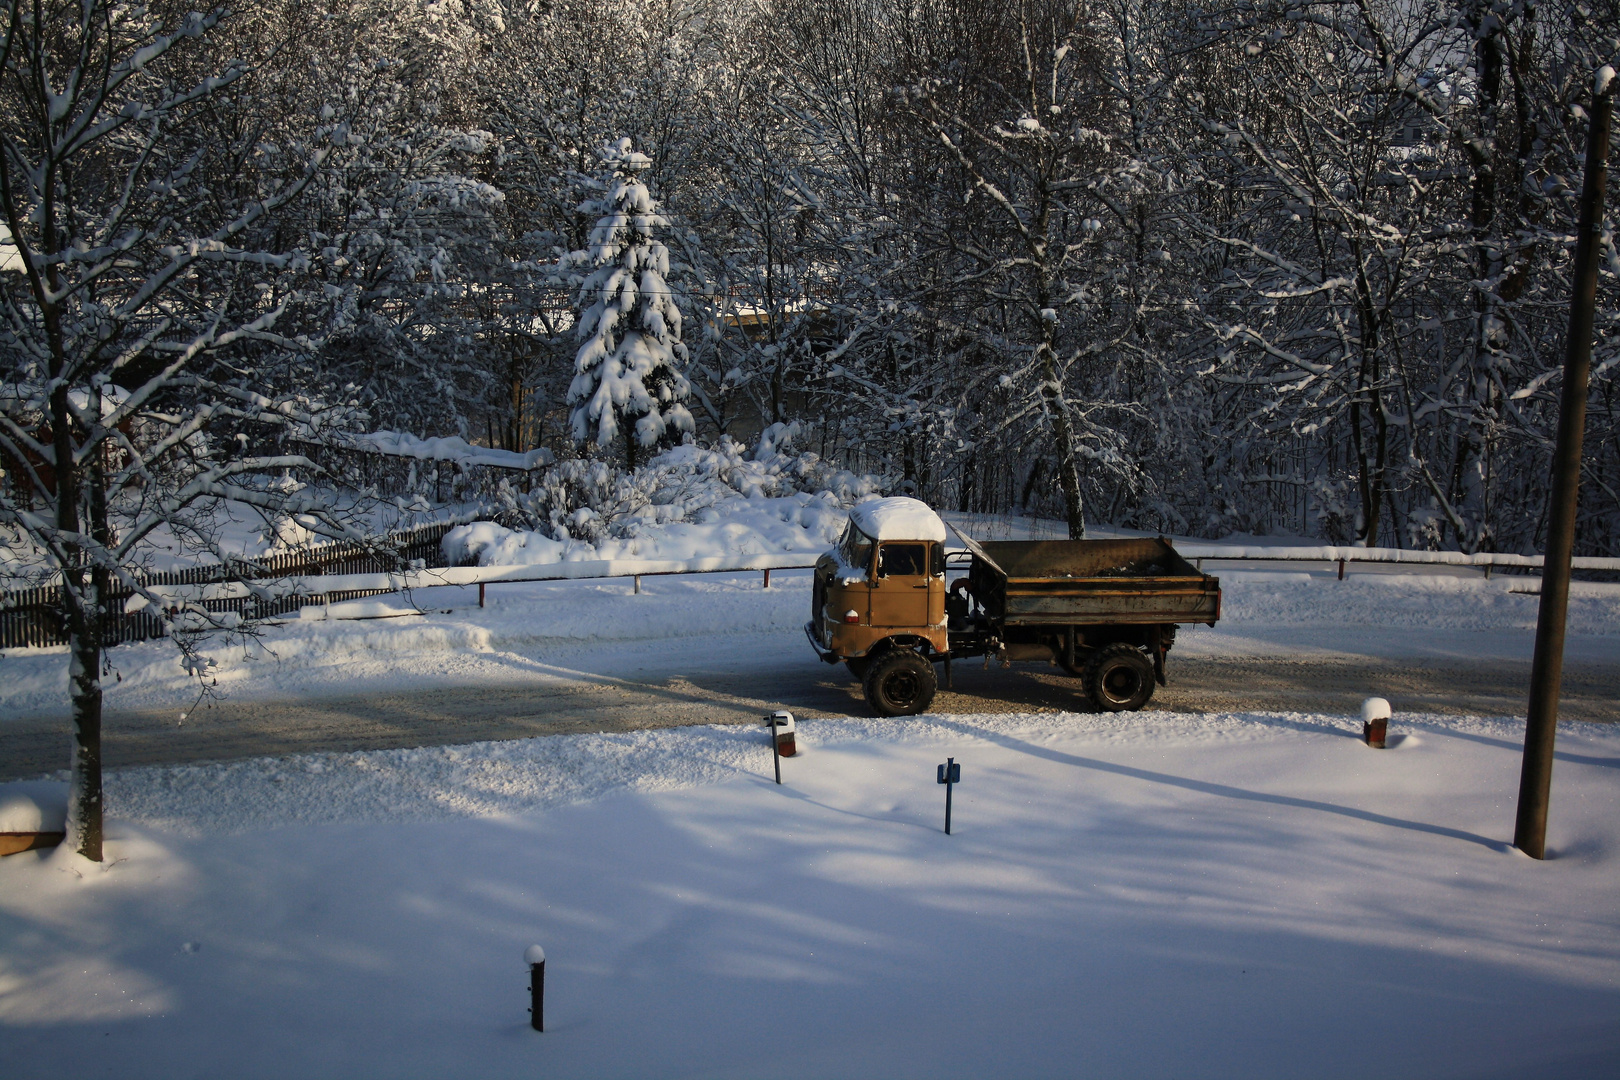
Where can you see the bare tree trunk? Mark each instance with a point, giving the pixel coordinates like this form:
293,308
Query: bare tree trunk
84,677
81,607
1052,391
1063,436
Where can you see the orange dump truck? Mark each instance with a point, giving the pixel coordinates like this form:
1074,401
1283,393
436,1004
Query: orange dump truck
890,603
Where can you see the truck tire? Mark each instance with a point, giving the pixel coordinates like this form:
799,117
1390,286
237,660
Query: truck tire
900,683
859,666
1119,678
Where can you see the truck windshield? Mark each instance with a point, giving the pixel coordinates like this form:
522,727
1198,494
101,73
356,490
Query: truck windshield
855,549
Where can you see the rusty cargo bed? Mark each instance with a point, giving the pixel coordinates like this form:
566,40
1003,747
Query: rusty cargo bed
1074,582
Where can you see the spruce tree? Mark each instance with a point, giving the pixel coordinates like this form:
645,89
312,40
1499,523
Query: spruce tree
627,374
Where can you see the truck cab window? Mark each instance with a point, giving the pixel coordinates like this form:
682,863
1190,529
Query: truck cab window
901,560
855,549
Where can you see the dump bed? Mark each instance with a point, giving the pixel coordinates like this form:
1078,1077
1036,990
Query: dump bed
1031,582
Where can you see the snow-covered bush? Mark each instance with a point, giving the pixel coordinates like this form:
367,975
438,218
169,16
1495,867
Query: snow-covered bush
689,500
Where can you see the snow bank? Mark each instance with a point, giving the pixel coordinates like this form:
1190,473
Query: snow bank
1375,601
521,776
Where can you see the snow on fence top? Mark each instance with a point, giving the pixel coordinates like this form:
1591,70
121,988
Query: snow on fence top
898,518
402,444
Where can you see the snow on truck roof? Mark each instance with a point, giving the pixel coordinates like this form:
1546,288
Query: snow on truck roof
898,519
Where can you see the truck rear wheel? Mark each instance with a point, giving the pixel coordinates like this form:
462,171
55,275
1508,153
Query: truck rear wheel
900,683
1119,678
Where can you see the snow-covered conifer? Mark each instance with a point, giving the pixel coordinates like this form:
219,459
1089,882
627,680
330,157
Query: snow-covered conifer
628,368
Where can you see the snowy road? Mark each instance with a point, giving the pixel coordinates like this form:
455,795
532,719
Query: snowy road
548,658
681,683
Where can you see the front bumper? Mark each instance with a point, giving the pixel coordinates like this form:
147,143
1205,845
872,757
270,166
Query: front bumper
826,654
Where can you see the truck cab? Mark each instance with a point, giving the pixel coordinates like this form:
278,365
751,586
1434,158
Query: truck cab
881,589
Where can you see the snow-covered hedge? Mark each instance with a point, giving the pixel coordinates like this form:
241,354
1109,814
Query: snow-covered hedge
689,502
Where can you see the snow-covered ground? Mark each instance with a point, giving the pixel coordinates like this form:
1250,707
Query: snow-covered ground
1223,895
1244,896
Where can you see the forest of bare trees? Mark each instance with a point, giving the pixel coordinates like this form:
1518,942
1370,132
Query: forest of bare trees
1277,266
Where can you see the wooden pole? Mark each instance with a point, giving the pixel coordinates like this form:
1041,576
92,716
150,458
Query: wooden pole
1547,669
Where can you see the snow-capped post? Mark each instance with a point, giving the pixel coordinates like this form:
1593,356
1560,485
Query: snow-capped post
628,368
950,774
1375,722
1547,668
535,957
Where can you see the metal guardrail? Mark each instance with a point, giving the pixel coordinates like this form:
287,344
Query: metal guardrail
1486,562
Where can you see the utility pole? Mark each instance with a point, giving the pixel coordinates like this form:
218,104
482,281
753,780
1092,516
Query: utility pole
1546,673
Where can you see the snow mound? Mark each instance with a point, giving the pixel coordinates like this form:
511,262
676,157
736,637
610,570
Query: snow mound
33,806
690,502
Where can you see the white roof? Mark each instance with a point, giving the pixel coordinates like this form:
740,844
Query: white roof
898,519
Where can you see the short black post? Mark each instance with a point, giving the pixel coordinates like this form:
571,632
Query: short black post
535,957
950,774
776,751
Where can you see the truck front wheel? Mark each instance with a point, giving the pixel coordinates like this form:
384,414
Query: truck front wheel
1119,678
900,683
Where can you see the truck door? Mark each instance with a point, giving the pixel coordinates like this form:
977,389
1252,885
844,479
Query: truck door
901,595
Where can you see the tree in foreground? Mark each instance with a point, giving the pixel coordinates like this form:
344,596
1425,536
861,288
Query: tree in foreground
134,324
627,374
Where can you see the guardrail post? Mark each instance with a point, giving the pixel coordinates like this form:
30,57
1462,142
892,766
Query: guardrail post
480,594
638,584
1341,569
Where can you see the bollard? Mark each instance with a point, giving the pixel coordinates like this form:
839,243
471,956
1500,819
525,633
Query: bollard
480,594
535,957
1375,722
767,579
950,774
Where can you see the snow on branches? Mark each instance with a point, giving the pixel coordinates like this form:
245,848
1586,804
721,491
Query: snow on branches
627,368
